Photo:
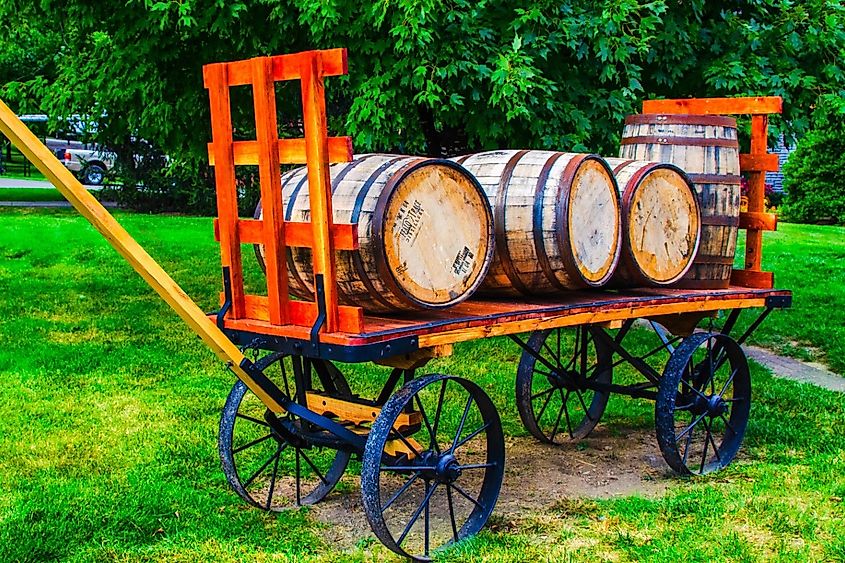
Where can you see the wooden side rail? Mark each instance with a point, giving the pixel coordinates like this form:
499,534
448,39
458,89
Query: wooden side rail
755,220
317,150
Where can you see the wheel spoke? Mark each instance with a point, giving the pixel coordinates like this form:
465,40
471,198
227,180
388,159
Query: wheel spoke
704,454
712,441
476,466
416,468
711,366
250,444
566,413
249,481
452,513
314,467
465,494
432,442
427,522
470,436
405,441
693,389
285,378
728,382
557,419
543,409
541,393
415,516
689,428
728,424
251,419
461,425
401,490
687,446
298,480
584,405
439,409
273,478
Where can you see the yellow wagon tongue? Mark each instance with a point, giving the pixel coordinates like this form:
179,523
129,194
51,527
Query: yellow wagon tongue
87,205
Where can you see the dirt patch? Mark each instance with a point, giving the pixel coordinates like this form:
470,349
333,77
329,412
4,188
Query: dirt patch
537,477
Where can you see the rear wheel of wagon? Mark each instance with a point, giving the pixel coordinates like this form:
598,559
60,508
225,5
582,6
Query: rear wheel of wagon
433,465
558,384
275,462
703,404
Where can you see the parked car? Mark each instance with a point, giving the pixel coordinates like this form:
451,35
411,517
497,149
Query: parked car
90,165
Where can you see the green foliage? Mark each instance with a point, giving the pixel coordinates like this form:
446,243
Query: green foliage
814,175
433,77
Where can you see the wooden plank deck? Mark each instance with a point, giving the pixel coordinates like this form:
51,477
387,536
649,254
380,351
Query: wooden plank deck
486,317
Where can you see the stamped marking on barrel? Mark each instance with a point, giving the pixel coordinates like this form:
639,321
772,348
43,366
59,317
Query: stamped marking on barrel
409,220
463,262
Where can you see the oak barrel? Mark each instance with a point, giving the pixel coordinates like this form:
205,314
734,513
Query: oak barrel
556,217
706,148
425,232
661,223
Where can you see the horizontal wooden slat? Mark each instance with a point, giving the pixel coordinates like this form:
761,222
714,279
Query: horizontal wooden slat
304,313
291,151
758,221
287,67
716,106
751,278
759,163
298,234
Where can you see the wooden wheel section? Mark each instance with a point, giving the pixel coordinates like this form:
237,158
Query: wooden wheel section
703,404
445,488
279,462
556,392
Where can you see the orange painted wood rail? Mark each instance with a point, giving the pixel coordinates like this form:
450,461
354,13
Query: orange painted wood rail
316,150
755,164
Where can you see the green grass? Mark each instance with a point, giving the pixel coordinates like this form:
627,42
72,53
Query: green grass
809,260
31,194
109,408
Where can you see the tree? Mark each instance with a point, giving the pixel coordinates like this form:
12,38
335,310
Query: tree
814,175
433,77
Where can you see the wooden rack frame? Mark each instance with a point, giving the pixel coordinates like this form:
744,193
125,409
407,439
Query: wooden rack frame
317,150
755,164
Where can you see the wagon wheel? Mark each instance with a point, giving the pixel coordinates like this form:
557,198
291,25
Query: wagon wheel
557,398
703,404
277,469
433,465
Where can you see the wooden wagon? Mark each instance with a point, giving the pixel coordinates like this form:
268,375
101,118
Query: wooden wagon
431,446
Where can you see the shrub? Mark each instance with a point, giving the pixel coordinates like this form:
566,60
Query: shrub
814,175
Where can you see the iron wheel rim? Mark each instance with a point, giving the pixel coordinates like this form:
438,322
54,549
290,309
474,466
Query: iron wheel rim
575,410
467,488
703,404
241,431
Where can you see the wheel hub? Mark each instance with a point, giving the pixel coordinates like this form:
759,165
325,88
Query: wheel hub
712,405
441,467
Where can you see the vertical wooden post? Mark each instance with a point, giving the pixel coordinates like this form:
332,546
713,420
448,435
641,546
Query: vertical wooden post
319,181
217,82
756,192
267,135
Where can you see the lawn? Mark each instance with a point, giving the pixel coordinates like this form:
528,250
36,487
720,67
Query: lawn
34,194
109,408
20,169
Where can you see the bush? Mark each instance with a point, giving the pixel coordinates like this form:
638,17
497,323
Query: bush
814,175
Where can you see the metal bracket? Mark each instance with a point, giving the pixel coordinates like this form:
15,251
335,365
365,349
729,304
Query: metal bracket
320,291
227,296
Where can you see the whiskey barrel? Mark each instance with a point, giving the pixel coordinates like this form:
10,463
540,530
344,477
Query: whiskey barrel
425,236
661,223
556,217
706,148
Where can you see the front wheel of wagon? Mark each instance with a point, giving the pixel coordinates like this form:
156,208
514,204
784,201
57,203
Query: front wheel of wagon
433,465
286,464
703,404
559,383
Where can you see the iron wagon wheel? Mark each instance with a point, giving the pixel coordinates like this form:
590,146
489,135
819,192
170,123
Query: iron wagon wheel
278,469
703,403
557,384
433,465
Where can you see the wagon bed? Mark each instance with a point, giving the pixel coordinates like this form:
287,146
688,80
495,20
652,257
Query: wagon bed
485,317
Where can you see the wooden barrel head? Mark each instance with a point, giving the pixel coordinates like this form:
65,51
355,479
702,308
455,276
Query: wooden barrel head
661,221
593,224
433,223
